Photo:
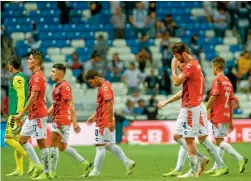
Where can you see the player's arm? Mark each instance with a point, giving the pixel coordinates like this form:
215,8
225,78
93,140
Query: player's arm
211,101
73,116
110,108
174,98
18,84
177,79
50,110
91,119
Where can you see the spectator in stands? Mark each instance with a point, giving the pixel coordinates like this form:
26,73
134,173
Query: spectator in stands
5,77
151,24
135,97
142,58
95,8
207,6
244,66
116,68
232,77
139,18
24,64
165,83
243,21
144,43
92,63
159,29
232,9
75,65
165,48
248,44
7,49
118,20
151,109
34,41
114,6
4,105
152,83
65,12
152,6
140,108
132,78
195,47
101,49
221,21
245,85
170,25
128,6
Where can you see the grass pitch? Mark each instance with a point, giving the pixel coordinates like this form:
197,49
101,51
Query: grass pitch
152,161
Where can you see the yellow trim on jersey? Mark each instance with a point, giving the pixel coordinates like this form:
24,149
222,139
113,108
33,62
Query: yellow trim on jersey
18,85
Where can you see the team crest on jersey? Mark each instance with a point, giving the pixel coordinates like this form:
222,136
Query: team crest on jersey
19,81
37,79
67,88
105,88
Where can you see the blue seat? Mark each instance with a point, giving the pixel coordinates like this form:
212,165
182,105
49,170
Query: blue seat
215,41
82,51
135,49
13,6
236,48
210,56
49,5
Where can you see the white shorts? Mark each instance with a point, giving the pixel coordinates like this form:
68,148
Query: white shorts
221,131
204,115
105,136
181,122
63,131
35,128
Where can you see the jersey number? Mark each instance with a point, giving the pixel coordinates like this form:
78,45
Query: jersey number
227,94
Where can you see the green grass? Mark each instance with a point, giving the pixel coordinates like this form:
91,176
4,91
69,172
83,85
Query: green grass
151,160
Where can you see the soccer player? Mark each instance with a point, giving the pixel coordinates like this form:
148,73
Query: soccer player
192,79
35,124
220,107
178,136
63,113
18,95
105,124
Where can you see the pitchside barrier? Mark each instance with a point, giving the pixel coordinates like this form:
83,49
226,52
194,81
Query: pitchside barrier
146,132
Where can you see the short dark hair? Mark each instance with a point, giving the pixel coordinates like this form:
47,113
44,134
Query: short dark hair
180,47
91,74
219,63
15,62
60,67
132,63
38,55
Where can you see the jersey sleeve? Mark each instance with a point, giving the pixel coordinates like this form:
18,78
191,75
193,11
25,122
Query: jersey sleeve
188,69
215,88
36,84
106,92
19,86
66,92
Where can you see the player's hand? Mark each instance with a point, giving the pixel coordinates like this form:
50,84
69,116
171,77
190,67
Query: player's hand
174,63
18,117
19,123
76,127
112,127
161,104
231,127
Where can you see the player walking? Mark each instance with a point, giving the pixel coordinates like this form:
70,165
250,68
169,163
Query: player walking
105,124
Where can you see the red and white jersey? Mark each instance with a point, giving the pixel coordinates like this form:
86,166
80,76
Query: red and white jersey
105,92
61,94
37,83
194,85
221,109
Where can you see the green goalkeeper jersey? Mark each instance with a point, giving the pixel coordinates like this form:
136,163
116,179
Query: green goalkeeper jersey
18,93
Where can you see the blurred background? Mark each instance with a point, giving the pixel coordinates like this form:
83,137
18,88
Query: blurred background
129,43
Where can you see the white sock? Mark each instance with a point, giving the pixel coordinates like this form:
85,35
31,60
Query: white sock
221,153
116,150
74,154
100,155
181,159
31,152
53,158
211,148
230,150
45,153
183,143
193,162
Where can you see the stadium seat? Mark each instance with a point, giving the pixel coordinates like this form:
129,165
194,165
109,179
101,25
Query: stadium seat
236,48
57,58
120,50
103,33
67,50
30,6
17,36
77,43
222,48
226,55
53,50
119,43
230,41
154,49
198,12
210,33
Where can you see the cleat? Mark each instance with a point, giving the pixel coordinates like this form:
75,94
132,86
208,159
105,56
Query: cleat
31,169
242,163
15,173
189,174
87,168
42,176
130,167
203,163
173,173
52,175
211,171
37,171
93,173
220,171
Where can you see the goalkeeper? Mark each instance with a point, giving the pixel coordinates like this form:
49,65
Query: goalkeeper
18,95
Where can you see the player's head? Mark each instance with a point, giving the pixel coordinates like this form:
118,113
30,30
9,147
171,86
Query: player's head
14,64
132,66
58,71
181,66
93,78
36,59
218,65
181,52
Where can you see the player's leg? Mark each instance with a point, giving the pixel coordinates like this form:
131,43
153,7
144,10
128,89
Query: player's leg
25,134
100,151
116,150
223,130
